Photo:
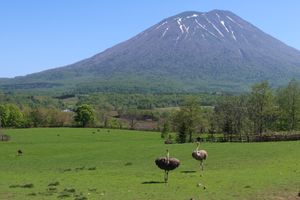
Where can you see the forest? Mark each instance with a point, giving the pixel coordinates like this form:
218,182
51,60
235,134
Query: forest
261,111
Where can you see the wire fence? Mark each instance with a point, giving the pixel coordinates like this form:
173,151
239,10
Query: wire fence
249,138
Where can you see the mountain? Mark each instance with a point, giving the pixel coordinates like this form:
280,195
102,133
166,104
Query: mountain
189,52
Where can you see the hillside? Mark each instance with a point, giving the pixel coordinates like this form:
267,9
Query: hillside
189,52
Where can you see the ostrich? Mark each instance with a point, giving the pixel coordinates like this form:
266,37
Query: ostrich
200,155
167,164
20,152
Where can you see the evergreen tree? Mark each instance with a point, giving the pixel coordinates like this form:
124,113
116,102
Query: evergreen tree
182,133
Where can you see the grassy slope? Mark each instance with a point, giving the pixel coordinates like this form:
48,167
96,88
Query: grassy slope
233,171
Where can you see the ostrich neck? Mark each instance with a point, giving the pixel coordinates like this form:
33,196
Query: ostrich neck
197,149
168,156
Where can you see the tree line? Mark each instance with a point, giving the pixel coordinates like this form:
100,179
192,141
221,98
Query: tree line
259,112
11,116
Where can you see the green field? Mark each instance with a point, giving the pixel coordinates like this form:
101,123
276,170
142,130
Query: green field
120,165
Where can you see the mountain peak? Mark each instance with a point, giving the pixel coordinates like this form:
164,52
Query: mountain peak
189,13
220,11
215,24
192,51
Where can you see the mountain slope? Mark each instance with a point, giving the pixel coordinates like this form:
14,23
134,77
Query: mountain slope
192,52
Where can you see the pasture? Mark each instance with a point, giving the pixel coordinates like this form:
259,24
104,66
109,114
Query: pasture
65,163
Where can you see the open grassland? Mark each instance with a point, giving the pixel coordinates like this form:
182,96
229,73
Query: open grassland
113,164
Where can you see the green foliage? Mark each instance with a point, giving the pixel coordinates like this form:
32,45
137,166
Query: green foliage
288,99
32,101
256,112
36,118
182,132
231,115
261,107
11,116
132,115
48,117
84,115
187,119
118,101
113,123
165,130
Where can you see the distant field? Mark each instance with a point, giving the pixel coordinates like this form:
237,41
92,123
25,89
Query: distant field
89,164
168,109
178,108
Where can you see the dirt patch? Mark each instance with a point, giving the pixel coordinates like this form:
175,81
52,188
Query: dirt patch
6,196
279,195
293,196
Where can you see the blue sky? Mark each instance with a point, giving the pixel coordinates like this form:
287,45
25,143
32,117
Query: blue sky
36,35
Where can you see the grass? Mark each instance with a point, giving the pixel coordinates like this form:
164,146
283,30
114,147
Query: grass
77,164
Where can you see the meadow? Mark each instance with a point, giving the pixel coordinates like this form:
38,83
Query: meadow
69,163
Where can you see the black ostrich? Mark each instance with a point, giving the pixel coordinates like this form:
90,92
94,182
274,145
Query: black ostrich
20,152
167,164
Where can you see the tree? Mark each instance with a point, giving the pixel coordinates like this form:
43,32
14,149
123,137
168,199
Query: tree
0,124
58,118
37,117
288,99
15,118
11,116
182,133
84,115
261,107
132,115
188,118
231,115
165,130
4,115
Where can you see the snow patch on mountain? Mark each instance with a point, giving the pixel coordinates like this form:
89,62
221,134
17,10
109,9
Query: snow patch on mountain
223,23
165,32
192,16
161,25
203,27
214,26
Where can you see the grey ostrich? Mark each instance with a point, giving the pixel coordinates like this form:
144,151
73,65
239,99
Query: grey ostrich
167,164
200,155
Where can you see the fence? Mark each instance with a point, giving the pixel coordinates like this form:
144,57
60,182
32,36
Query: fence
250,138
4,138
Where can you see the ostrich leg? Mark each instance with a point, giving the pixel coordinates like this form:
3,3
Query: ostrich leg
201,164
166,176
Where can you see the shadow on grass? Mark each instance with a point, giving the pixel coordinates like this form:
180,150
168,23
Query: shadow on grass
188,172
153,182
29,185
